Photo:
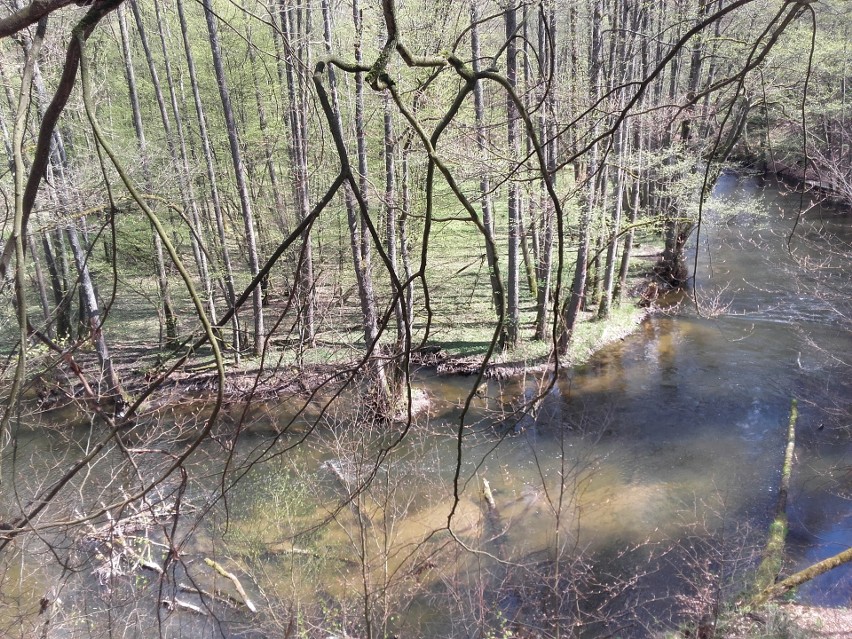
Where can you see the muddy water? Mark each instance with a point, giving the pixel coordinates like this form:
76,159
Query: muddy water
651,470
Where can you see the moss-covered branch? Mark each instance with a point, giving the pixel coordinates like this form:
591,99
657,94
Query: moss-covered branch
773,553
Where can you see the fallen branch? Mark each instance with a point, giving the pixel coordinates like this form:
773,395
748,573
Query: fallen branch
797,579
228,575
216,595
488,495
773,553
177,604
282,548
136,557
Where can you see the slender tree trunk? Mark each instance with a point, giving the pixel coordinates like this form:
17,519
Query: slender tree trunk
39,273
40,285
361,235
497,292
58,272
594,280
514,204
365,291
94,320
228,272
187,188
391,210
608,283
576,297
527,227
627,249
239,172
547,45
167,316
403,233
267,135
305,284
622,150
547,51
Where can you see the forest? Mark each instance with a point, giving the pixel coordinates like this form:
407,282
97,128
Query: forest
309,309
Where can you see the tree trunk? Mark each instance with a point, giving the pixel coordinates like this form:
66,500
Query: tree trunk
58,272
365,290
239,172
40,285
91,311
497,292
391,212
362,233
168,316
228,273
305,285
627,248
403,233
547,119
803,576
622,149
267,137
514,203
576,297
187,188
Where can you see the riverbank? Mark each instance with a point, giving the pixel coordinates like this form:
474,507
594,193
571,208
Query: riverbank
258,380
455,347
789,621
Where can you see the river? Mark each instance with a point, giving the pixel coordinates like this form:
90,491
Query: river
635,493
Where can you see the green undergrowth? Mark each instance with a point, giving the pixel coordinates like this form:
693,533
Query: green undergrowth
456,284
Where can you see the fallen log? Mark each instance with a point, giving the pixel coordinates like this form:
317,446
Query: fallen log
177,604
797,579
234,580
773,553
765,583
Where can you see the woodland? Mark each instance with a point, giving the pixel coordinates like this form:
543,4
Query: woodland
215,207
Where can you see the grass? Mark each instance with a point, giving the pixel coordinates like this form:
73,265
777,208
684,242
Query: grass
456,279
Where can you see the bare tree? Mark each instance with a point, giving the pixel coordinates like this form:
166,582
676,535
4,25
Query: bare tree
239,173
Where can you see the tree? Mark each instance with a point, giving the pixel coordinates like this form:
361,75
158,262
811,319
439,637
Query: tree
605,116
239,174
162,278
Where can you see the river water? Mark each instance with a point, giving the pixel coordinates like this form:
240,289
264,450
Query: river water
634,492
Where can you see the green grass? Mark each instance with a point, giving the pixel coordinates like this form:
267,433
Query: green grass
456,280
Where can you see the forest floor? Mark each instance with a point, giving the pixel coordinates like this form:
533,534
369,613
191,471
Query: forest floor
791,621
829,623
459,336
275,376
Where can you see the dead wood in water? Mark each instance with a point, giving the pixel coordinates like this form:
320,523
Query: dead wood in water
178,604
773,554
471,366
488,495
793,581
228,575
